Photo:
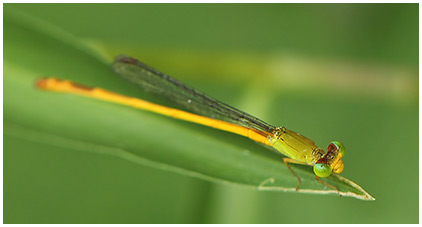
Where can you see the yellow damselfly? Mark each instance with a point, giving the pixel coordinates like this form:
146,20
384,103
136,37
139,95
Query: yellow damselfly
210,112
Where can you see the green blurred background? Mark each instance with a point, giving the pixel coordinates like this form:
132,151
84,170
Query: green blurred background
330,71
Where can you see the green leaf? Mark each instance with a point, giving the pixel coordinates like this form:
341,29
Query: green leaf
34,49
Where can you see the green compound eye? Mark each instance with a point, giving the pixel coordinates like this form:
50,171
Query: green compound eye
322,170
340,147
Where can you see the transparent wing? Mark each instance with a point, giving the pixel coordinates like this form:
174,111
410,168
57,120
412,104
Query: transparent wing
158,83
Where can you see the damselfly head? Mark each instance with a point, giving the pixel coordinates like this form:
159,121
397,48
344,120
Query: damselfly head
331,161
